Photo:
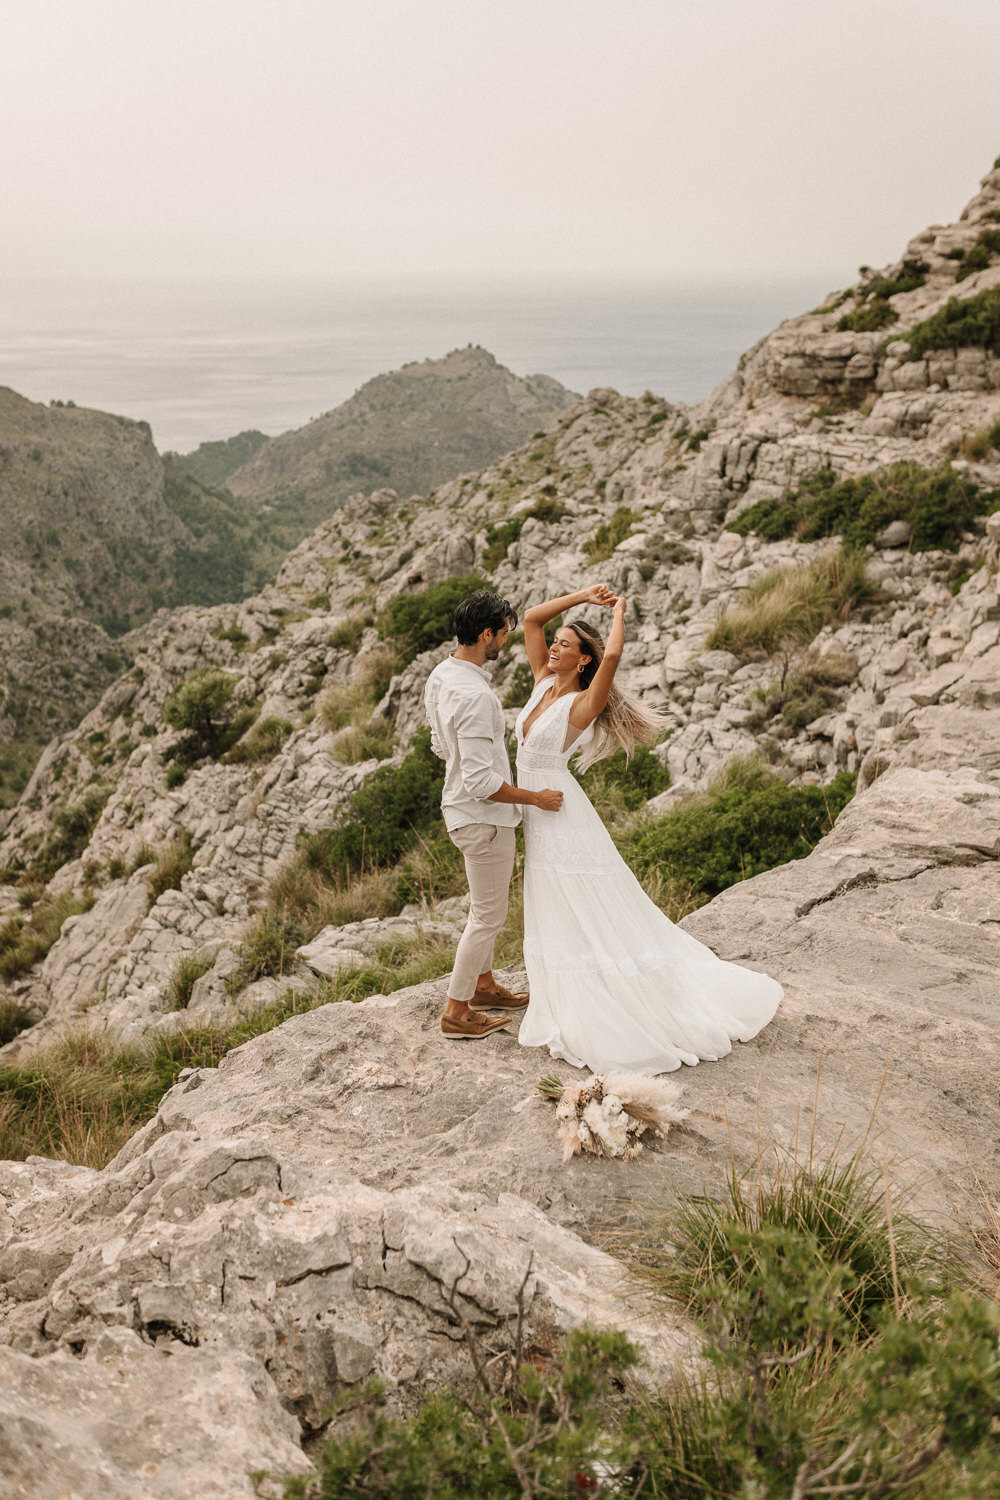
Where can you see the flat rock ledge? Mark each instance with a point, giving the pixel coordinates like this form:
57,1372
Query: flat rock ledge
342,1192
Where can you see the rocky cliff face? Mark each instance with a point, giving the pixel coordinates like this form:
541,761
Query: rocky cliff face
299,1207
408,430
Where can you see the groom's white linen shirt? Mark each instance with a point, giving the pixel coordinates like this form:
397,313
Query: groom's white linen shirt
468,733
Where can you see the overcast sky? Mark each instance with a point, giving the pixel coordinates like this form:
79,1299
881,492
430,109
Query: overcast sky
591,137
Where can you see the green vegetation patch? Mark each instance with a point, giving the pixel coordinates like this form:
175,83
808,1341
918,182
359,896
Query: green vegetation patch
418,622
262,743
205,707
616,785
980,255
170,865
72,824
963,323
608,536
873,311
792,605
939,504
385,816
844,1355
746,822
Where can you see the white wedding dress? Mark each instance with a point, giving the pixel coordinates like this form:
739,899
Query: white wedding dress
614,983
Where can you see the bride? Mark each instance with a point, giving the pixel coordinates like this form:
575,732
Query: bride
614,983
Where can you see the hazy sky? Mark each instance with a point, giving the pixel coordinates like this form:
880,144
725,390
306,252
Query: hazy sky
501,136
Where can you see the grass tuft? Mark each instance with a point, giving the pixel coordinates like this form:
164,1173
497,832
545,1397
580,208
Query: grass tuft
794,604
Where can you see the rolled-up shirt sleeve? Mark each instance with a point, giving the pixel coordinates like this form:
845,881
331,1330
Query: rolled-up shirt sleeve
477,753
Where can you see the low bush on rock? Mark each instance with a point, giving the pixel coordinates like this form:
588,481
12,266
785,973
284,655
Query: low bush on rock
189,968
171,865
963,323
370,741
808,687
843,1356
13,1020
793,605
609,535
979,255
267,950
747,821
24,942
384,816
72,825
262,743
938,504
617,785
205,707
417,622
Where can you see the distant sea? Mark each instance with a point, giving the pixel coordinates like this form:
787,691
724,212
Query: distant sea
201,359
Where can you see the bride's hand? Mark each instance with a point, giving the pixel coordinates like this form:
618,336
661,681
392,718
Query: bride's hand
599,593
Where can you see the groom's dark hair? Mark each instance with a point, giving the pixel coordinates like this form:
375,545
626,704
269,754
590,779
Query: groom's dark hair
482,611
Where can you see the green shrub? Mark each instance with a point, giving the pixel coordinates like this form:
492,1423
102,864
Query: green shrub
518,686
978,445
967,322
235,635
835,1209
25,942
616,784
13,1019
203,705
807,689
267,949
347,635
608,536
417,622
939,504
794,604
746,822
498,540
170,866
544,1434
384,816
868,317
188,969
369,741
176,776
979,255
262,743
72,825
548,510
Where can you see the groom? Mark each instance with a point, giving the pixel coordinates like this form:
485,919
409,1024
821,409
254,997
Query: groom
480,805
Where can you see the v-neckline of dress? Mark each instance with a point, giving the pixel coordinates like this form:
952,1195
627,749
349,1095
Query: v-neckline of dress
549,706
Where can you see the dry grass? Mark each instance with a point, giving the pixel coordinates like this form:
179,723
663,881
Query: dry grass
373,740
793,605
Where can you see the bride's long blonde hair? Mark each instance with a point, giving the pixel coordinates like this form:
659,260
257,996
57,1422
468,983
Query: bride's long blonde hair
623,723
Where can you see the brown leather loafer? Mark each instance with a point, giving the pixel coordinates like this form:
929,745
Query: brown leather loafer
473,1026
499,999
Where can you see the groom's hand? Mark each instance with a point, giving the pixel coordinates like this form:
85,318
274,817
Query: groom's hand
549,800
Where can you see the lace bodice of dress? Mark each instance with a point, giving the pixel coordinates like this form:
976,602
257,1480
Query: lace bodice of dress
543,750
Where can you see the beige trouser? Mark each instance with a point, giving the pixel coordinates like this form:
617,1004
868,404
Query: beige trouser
489,864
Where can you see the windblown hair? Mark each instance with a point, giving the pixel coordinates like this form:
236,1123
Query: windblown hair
482,611
623,723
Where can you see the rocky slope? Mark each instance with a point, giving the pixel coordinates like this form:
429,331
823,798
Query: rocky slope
97,531
301,1205
408,430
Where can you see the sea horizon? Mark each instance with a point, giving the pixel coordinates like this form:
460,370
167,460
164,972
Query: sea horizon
203,358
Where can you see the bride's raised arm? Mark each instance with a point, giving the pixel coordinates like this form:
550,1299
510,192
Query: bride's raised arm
586,706
539,615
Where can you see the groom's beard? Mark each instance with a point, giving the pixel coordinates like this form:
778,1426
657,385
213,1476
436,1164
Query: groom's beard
493,653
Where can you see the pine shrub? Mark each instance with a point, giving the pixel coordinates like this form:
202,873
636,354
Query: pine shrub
748,821
939,504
